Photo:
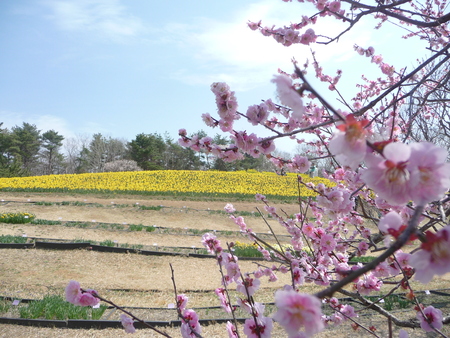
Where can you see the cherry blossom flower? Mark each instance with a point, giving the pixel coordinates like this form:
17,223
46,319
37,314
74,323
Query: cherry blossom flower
266,146
368,283
127,323
75,296
349,142
289,96
430,174
73,292
300,164
327,242
189,324
229,208
334,6
393,224
433,257
262,330
231,330
249,286
296,310
432,320
389,176
220,292
87,299
257,114
211,243
182,300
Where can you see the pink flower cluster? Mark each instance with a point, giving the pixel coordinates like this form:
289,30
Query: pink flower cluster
434,256
296,311
190,325
76,296
416,172
211,243
226,105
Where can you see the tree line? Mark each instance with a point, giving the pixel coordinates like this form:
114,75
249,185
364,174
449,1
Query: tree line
27,151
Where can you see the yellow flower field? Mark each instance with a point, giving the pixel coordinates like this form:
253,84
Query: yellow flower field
168,181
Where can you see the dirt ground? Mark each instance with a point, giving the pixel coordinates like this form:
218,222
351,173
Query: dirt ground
129,279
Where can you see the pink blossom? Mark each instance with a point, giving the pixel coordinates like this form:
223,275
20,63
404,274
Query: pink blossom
211,243
298,275
182,300
189,324
308,37
348,311
389,176
229,208
262,330
73,292
249,286
387,69
296,310
253,25
127,323
327,243
220,292
233,270
231,330
208,120
432,320
257,114
368,283
430,174
377,59
289,96
300,164
87,299
75,296
349,142
266,146
433,257
391,220
370,51
334,6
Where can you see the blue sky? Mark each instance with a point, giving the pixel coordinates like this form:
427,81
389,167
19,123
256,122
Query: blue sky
144,66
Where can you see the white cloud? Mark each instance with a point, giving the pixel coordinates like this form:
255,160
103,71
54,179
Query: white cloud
230,51
42,122
103,18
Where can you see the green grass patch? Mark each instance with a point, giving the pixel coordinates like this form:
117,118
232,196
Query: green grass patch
135,227
4,306
108,242
6,239
150,207
45,222
55,307
43,203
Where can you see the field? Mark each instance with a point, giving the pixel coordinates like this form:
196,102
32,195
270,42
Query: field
139,222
